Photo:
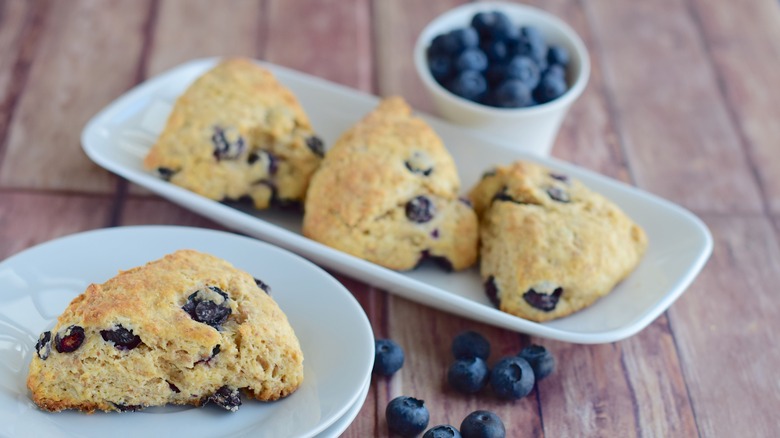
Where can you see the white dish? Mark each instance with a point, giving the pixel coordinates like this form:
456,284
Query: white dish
334,332
336,429
119,136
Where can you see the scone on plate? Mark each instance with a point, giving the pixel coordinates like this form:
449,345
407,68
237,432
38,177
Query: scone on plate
237,133
549,245
387,192
186,329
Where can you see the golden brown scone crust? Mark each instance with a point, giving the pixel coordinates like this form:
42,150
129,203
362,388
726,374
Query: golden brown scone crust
544,234
358,199
237,132
175,362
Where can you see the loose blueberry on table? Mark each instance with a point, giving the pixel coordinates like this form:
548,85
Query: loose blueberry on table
406,416
482,424
468,376
540,359
512,378
388,357
442,431
497,63
470,344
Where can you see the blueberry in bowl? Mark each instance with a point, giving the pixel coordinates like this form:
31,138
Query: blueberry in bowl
509,69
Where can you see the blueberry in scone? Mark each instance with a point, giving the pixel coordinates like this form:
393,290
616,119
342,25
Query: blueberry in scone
186,329
236,133
549,245
387,192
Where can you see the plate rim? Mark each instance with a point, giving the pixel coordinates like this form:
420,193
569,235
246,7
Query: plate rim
335,259
362,317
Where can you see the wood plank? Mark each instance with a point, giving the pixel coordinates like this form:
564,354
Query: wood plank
19,28
743,39
673,120
396,26
189,29
329,38
588,136
86,58
726,326
28,219
155,211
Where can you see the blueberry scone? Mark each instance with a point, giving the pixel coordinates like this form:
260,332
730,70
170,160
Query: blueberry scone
237,133
388,193
186,329
549,245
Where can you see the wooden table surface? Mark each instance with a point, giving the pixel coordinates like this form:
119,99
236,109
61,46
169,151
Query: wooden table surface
682,102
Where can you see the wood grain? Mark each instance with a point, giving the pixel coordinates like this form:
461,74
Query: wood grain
396,26
329,38
154,211
672,118
43,148
588,136
27,219
743,39
726,327
189,29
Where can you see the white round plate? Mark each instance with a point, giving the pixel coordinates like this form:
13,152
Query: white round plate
335,429
334,332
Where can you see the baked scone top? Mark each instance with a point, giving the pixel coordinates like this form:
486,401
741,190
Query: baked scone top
359,200
549,245
200,323
236,131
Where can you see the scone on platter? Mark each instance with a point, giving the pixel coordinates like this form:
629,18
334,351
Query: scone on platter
387,192
549,245
237,133
186,329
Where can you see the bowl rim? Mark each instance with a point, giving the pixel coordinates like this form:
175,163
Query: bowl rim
561,26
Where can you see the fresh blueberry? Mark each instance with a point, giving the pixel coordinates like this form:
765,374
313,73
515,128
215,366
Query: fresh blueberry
228,143
550,87
556,70
205,306
227,398
496,51
444,44
122,338
420,209
557,55
540,359
558,194
468,375
388,357
43,346
494,26
470,344
407,416
532,44
531,33
70,339
544,299
263,285
495,74
442,431
469,85
465,38
316,146
482,424
491,290
441,68
471,59
523,69
512,378
513,94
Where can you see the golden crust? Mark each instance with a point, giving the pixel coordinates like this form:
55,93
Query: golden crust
258,351
240,103
580,242
357,199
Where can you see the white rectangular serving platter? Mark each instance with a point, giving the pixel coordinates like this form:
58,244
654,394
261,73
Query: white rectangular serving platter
120,135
